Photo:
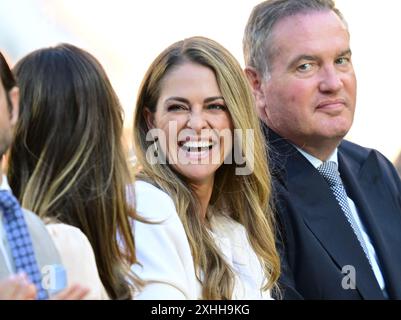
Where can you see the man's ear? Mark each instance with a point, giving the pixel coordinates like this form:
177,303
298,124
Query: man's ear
149,118
257,84
14,99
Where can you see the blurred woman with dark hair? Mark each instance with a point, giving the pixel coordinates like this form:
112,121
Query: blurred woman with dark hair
67,162
30,264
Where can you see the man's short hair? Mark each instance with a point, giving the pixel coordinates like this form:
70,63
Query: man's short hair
256,42
7,78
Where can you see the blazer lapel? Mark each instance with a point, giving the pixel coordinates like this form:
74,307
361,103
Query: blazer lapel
314,200
4,272
371,198
327,222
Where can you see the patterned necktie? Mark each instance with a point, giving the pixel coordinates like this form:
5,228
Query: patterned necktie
330,172
19,240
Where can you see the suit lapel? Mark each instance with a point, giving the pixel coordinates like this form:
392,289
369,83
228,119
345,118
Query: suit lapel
314,200
327,222
371,198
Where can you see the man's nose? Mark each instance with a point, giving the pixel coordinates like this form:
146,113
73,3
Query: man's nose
331,80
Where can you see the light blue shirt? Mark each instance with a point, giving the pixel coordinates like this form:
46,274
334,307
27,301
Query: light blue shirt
371,250
4,250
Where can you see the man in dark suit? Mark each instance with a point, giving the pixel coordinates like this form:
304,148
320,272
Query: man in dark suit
338,204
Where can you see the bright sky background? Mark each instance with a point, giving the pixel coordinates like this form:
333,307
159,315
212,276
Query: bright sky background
126,35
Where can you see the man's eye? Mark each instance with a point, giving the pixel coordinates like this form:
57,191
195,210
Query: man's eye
304,67
342,60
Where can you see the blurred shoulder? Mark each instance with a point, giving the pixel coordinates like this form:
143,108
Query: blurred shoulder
73,246
354,150
33,221
37,228
153,203
361,154
62,232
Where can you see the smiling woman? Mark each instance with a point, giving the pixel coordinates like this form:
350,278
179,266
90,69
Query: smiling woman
212,235
191,105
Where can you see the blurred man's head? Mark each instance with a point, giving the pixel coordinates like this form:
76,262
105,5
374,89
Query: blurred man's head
9,97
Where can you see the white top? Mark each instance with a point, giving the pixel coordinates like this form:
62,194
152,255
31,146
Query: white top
75,251
78,259
164,255
354,211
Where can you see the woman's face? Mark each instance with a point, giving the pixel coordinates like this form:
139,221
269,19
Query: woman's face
192,116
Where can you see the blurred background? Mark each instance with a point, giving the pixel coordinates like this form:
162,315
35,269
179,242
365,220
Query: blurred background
126,35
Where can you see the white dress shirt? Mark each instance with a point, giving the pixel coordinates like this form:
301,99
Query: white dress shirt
4,249
371,250
164,256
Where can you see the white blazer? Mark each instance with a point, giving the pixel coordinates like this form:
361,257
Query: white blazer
164,255
78,259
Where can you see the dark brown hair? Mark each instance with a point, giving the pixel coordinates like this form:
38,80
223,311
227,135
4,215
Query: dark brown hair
67,162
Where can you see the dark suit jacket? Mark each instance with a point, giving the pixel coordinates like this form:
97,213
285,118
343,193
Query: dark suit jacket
315,239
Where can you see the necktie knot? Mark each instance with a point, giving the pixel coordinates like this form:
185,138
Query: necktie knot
329,170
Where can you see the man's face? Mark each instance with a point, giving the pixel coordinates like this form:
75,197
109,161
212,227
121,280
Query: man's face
310,95
7,118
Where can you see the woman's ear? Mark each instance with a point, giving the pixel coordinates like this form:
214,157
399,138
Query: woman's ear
149,118
14,98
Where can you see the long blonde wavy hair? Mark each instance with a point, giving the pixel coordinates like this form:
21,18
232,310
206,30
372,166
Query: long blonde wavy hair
244,197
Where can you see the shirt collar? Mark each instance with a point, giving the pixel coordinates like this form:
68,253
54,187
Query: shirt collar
4,184
315,161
